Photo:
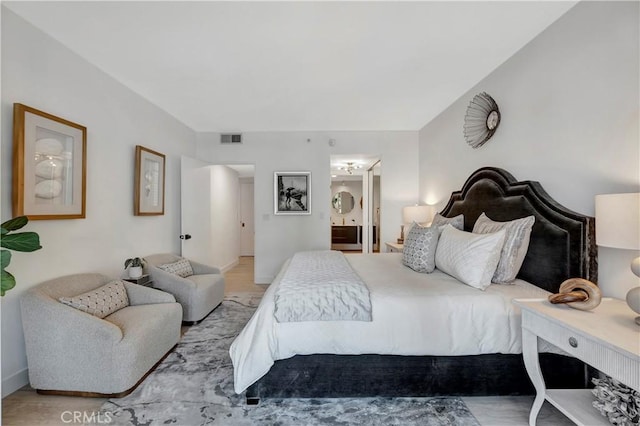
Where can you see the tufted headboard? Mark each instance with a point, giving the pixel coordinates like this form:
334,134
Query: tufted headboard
562,242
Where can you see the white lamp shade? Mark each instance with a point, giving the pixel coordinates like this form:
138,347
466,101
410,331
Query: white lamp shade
618,221
418,214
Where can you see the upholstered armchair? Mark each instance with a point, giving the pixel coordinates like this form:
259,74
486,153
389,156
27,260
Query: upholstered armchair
197,287
73,352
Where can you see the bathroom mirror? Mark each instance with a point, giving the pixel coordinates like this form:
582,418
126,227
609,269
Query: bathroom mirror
343,202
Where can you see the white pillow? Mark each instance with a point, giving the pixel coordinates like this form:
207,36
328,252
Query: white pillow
516,244
471,258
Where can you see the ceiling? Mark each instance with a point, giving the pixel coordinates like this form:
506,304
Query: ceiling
278,66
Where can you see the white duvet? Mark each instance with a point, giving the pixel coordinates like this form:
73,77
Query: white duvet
413,314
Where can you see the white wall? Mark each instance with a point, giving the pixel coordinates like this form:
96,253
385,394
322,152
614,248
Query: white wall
570,108
278,237
41,73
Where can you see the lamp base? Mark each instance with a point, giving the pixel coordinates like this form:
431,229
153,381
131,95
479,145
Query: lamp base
633,300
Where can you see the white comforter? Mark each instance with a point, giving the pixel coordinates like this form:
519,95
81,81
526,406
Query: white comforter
413,314
321,286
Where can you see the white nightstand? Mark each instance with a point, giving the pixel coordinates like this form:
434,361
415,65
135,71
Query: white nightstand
606,338
394,247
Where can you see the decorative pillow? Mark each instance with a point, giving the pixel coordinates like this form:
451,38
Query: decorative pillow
419,252
471,258
516,244
181,268
102,301
457,221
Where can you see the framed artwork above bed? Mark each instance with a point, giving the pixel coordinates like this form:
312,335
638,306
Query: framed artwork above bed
292,193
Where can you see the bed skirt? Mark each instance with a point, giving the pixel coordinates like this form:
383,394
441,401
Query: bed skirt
341,376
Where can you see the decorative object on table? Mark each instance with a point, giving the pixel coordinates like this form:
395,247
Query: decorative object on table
149,183
21,241
49,165
411,214
618,226
618,403
482,120
292,193
135,265
578,293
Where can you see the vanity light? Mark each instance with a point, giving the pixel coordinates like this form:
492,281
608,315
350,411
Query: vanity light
350,167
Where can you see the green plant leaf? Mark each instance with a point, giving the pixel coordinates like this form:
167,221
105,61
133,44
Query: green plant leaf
5,258
22,241
15,223
8,282
3,231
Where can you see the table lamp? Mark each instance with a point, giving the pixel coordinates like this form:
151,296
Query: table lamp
410,214
618,226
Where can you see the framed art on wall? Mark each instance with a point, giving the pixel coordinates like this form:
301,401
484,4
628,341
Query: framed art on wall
149,182
49,165
292,193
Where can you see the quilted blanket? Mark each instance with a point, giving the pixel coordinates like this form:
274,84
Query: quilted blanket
321,286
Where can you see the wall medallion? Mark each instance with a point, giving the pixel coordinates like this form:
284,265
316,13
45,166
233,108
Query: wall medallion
482,120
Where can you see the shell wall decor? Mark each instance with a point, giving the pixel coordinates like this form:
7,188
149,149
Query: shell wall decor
482,120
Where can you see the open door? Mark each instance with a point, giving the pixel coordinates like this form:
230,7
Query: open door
247,232
195,223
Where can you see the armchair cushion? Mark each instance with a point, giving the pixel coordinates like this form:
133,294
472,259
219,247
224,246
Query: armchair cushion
181,268
101,302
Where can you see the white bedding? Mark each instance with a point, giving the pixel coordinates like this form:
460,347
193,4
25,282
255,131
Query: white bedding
321,285
413,314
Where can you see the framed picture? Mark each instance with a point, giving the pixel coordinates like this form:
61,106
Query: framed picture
149,183
292,193
49,165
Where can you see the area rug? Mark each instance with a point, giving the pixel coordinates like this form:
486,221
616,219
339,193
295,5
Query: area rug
194,386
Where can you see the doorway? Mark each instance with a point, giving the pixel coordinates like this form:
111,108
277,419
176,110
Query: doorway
217,218
355,203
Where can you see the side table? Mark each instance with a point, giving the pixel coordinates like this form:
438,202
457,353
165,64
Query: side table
394,247
606,338
144,280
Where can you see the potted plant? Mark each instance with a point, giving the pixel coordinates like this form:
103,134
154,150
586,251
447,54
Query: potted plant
135,265
20,241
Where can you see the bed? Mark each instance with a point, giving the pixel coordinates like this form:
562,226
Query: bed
415,345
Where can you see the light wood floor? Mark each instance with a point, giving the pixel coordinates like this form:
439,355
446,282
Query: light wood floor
26,407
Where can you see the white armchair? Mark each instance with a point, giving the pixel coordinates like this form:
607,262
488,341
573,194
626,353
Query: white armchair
71,352
198,294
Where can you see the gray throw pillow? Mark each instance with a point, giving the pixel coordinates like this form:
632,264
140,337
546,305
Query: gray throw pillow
457,221
516,244
419,249
102,301
181,268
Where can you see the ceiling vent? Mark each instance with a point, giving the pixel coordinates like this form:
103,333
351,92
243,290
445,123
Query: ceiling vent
231,138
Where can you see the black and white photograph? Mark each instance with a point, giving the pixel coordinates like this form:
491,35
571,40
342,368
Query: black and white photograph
292,192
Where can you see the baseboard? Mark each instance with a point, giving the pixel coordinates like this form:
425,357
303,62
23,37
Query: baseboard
230,265
14,382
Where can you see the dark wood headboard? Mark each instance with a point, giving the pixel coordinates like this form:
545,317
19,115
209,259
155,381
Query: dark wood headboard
562,242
